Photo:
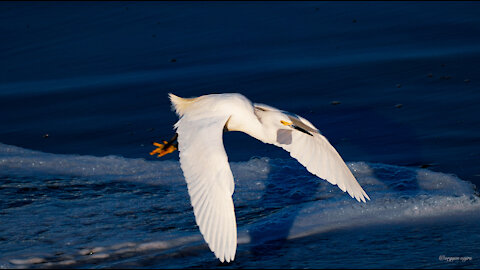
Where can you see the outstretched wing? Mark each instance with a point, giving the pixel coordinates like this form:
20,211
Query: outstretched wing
312,150
209,180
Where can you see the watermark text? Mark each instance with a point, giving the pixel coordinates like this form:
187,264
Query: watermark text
454,259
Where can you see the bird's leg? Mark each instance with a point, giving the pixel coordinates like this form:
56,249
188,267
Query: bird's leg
166,147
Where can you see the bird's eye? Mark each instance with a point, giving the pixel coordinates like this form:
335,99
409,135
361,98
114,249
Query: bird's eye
286,123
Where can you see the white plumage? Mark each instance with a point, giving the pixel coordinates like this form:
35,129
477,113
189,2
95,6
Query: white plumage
205,163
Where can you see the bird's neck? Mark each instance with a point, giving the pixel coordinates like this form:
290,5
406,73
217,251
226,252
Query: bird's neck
251,126
257,131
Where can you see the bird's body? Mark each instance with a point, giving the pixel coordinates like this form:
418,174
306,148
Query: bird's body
205,163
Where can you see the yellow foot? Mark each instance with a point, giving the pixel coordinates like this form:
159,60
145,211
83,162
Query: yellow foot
163,149
166,147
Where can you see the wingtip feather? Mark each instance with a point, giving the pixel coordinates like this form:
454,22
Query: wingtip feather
179,104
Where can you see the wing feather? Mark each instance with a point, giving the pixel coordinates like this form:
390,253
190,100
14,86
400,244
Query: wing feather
318,155
209,180
321,159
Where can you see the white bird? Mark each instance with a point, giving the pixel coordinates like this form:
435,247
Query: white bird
205,163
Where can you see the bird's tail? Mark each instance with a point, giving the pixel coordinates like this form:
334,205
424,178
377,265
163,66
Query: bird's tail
180,105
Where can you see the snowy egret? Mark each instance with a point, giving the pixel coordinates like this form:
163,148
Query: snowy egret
205,163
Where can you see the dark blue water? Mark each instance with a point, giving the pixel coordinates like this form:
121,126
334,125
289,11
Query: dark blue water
86,85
